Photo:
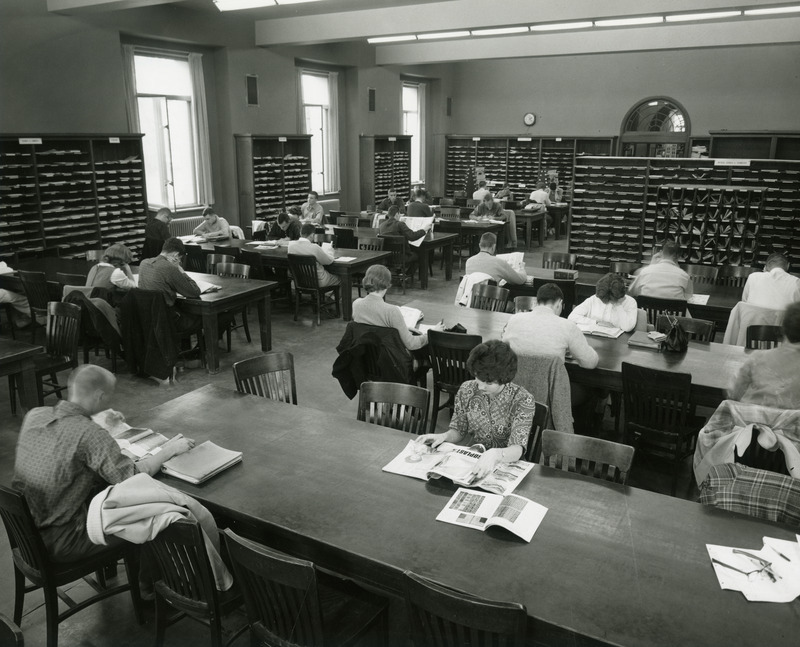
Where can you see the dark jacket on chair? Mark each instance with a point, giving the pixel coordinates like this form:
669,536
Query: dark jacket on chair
148,334
368,353
94,324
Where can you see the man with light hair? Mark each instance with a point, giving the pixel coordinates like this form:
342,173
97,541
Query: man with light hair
774,288
663,278
486,262
62,454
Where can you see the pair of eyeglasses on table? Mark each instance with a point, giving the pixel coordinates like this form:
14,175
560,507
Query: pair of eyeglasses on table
765,569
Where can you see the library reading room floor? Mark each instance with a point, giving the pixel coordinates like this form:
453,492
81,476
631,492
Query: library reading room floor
111,622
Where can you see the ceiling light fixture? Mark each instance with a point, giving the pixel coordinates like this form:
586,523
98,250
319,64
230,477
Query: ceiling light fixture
295,1
391,39
623,22
562,25
771,10
499,31
443,34
236,5
715,15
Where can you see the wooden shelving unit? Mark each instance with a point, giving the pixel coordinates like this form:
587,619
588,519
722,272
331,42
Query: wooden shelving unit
623,207
71,193
385,162
784,145
274,173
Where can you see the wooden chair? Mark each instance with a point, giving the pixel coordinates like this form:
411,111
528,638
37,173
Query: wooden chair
760,458
94,254
270,375
659,415
764,337
65,278
196,258
696,329
489,297
656,307
34,284
448,352
369,244
186,582
349,222
10,633
263,273
239,271
585,455
524,304
567,287
32,561
61,352
213,259
442,617
290,603
345,238
701,274
320,238
399,406
534,448
559,261
471,204
306,281
734,275
454,225
400,263
623,268
228,250
450,213
9,310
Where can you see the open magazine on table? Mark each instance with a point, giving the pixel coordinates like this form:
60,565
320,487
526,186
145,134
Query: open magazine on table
135,442
481,511
205,286
599,329
456,463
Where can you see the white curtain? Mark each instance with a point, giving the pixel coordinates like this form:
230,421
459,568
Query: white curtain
129,84
332,179
205,186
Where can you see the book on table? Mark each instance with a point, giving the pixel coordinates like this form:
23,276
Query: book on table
642,339
600,329
206,287
135,442
456,463
481,510
201,462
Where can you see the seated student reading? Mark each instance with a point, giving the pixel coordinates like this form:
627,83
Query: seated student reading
663,278
491,409
774,288
286,227
312,211
486,262
113,270
213,227
391,201
418,206
489,209
304,247
771,378
610,305
62,455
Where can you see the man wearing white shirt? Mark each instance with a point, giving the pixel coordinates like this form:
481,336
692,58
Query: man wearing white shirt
773,288
486,262
663,278
304,247
481,191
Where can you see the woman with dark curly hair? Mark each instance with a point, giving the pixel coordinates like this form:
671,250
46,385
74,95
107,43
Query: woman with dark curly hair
113,270
610,305
491,409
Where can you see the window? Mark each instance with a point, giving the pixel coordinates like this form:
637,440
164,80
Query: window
414,125
318,91
655,127
167,103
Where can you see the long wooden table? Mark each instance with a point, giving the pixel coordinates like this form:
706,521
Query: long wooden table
711,365
235,293
609,563
529,218
17,358
279,257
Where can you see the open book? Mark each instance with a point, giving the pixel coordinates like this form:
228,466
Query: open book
206,287
479,510
456,463
201,463
135,442
599,329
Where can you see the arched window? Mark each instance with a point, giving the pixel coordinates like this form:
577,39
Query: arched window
655,127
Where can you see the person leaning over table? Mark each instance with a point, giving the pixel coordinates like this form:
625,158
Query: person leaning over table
610,305
286,227
213,227
663,278
771,378
481,192
774,288
312,211
113,270
304,247
542,331
486,262
62,455
488,208
491,409
504,194
418,207
391,201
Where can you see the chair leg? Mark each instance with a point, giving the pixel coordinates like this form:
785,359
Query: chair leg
162,613
19,595
228,329
51,613
132,572
54,378
12,396
246,326
319,307
435,409
296,303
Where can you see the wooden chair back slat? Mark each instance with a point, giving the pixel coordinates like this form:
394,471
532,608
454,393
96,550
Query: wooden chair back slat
764,337
236,270
395,405
34,284
270,376
349,222
489,297
559,261
734,275
63,330
213,259
702,274
593,457
656,307
524,303
449,353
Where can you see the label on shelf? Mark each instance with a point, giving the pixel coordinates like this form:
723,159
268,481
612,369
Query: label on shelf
731,162
392,139
30,140
476,139
282,139
113,140
558,139
524,139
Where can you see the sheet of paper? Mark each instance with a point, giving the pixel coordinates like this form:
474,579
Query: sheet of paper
205,286
345,259
755,586
411,316
699,299
416,460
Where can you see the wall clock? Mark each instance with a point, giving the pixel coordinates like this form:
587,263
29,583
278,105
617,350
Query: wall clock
529,119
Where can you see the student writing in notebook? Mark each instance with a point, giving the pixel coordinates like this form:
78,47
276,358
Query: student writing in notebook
610,305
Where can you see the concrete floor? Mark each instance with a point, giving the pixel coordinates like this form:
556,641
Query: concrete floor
111,622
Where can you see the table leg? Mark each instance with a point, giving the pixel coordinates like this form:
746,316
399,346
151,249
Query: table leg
422,267
346,280
26,384
447,250
557,222
211,334
542,230
264,307
528,230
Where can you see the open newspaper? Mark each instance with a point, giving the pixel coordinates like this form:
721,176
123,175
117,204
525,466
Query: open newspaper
135,442
481,511
415,224
515,259
456,463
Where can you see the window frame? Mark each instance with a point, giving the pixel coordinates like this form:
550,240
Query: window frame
330,144
418,146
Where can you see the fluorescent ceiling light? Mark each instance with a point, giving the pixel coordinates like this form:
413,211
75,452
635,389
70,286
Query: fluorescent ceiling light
498,31
622,22
235,5
562,25
771,10
443,34
715,15
391,39
295,1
